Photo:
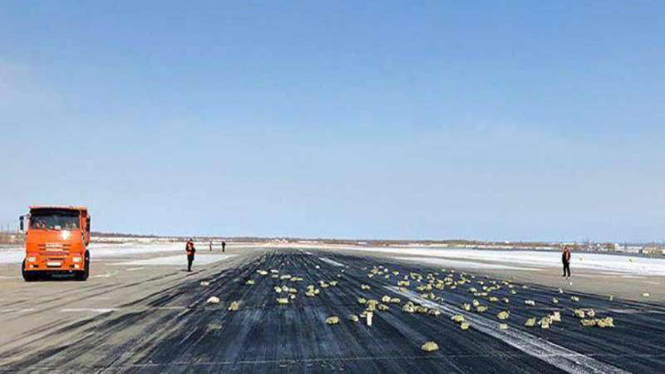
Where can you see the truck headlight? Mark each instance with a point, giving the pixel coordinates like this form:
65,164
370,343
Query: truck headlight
31,258
76,259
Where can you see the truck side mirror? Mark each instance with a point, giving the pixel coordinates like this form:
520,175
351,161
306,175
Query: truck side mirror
87,225
21,223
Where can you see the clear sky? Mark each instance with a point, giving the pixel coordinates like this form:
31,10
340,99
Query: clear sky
513,120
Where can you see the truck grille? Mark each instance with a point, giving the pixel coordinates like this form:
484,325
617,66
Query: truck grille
54,246
56,249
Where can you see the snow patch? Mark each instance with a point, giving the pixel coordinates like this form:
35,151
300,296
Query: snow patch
180,260
465,264
632,265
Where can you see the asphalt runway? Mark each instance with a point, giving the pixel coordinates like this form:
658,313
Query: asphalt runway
156,320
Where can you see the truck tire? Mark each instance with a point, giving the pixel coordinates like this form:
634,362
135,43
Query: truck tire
27,276
83,275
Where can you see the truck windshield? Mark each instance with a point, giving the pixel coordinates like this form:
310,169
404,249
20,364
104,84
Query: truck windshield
54,220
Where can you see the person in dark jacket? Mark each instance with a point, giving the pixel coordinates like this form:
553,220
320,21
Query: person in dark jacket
189,248
223,246
565,258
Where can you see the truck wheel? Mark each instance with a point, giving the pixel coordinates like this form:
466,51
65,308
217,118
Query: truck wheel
83,275
86,271
27,276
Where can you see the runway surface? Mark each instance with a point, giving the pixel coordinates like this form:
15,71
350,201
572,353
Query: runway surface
133,319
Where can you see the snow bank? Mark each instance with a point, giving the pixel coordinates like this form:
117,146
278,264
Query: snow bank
119,250
16,254
12,254
179,260
444,262
543,259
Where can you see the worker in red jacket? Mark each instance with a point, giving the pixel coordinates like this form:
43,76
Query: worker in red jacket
189,248
565,257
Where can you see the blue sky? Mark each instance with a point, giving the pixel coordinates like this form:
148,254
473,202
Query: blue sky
514,120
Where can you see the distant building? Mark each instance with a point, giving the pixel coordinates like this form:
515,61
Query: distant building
653,250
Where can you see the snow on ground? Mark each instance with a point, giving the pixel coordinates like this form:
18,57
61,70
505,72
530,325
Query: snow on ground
117,250
470,258
15,254
178,260
632,265
12,255
465,264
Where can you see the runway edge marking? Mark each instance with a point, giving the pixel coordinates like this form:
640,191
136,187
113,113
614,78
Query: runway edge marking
555,355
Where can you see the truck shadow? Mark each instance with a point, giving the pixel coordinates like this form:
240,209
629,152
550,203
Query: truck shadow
55,278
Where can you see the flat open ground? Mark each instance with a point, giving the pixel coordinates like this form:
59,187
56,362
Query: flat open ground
141,313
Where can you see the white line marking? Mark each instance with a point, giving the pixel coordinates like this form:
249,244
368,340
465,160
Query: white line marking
94,310
98,310
135,269
16,310
634,311
108,274
331,262
555,355
171,307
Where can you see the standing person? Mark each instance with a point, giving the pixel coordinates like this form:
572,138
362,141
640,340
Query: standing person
223,246
565,257
211,246
189,248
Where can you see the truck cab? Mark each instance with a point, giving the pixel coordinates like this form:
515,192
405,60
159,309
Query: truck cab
56,242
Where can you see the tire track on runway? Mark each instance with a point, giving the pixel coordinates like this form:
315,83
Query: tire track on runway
95,336
263,337
555,355
645,349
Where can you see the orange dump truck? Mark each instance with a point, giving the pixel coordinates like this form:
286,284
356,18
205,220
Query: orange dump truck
56,242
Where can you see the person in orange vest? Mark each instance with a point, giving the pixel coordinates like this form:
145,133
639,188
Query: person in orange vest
565,257
189,248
